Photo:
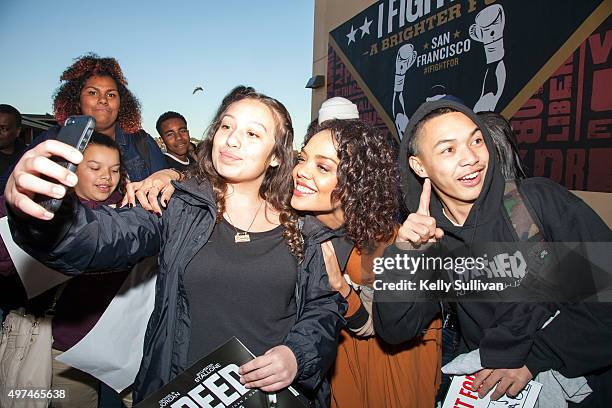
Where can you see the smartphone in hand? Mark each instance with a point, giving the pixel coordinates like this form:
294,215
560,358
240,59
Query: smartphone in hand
76,132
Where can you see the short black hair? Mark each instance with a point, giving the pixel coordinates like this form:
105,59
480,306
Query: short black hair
4,108
418,129
168,115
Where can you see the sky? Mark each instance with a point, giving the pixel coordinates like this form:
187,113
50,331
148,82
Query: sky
165,49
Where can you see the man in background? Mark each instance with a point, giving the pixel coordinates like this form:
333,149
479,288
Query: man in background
172,127
11,146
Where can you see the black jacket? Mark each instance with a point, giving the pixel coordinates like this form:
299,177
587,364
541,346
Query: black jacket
114,239
504,332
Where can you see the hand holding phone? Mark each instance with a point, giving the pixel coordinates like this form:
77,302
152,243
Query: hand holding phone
76,132
37,174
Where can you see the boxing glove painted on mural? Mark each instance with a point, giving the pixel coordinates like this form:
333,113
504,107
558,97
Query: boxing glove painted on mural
489,30
406,56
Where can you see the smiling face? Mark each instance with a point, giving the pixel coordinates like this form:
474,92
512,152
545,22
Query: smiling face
453,155
100,98
175,135
98,173
243,143
315,178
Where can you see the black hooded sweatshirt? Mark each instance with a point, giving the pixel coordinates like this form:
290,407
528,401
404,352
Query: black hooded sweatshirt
504,332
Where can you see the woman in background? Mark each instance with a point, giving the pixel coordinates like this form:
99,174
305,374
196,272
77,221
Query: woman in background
96,87
506,145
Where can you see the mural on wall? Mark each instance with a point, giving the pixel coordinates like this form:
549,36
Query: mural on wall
340,82
565,128
545,65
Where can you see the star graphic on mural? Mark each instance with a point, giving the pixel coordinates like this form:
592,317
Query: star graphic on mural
426,46
351,35
456,34
365,28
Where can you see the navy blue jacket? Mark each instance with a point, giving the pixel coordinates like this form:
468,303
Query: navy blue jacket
115,239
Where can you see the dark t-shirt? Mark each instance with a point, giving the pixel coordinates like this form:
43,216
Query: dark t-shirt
245,290
9,160
176,164
5,161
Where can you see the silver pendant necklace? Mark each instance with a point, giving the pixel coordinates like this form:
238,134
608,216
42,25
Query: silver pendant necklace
243,236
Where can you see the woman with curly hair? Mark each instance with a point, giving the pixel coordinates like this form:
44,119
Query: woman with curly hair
346,176
232,259
96,87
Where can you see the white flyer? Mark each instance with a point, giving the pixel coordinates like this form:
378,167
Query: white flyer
460,395
113,349
35,276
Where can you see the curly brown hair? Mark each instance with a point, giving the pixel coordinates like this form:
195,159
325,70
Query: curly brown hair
67,97
277,184
367,179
